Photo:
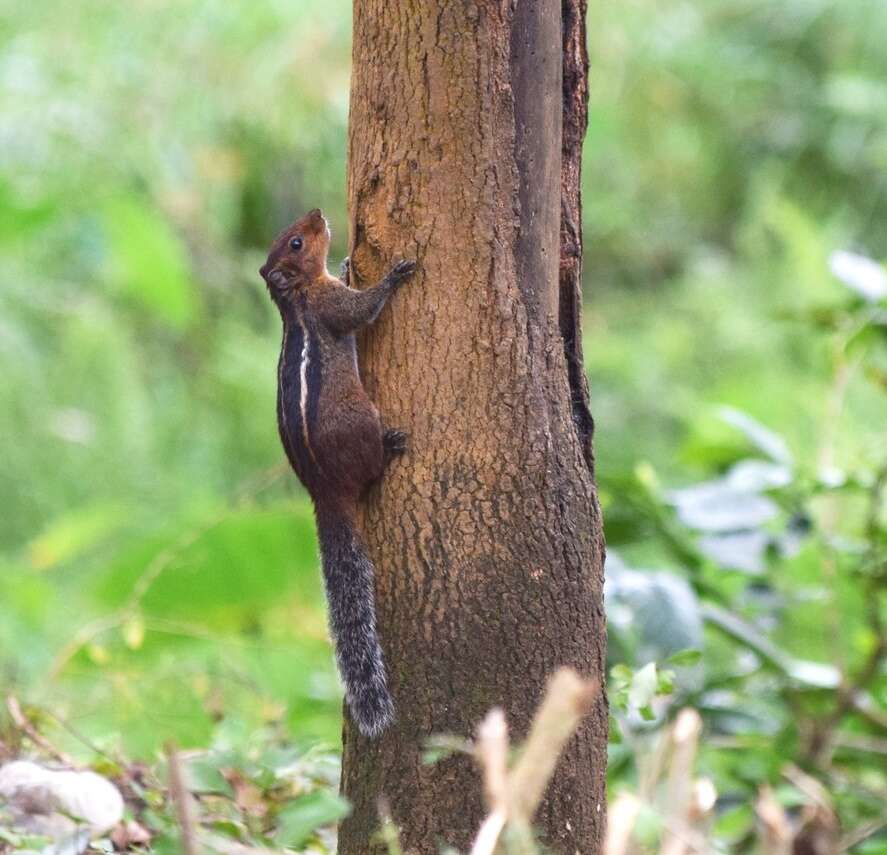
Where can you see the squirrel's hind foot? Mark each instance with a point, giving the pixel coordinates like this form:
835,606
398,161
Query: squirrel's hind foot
394,442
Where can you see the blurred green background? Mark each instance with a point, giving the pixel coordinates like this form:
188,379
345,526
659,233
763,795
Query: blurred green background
157,569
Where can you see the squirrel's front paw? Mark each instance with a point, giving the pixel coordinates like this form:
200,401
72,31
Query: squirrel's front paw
401,271
345,269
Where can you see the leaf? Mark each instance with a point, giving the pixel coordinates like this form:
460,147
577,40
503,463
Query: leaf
297,821
621,675
860,274
129,833
133,631
22,214
98,653
747,634
685,658
665,682
9,836
223,567
620,682
737,550
247,795
204,775
755,476
147,262
651,616
856,94
717,506
643,686
74,533
762,438
817,675
812,675
166,844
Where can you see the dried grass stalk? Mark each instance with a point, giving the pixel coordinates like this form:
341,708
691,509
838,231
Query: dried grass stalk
513,797
183,802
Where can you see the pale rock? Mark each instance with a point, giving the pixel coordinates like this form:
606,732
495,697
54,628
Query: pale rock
31,789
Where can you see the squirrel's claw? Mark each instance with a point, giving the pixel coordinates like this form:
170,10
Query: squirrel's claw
395,441
402,271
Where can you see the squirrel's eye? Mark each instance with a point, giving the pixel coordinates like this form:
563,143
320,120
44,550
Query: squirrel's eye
296,244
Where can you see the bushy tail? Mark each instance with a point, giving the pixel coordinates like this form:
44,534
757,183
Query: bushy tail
348,575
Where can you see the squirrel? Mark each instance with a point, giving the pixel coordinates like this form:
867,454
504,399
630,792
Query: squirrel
334,439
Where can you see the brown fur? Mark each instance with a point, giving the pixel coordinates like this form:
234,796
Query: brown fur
346,441
334,438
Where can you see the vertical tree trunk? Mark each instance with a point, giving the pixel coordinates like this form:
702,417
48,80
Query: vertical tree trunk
465,140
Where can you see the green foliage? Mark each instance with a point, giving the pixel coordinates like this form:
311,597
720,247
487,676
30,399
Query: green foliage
783,558
630,690
147,263
157,568
301,817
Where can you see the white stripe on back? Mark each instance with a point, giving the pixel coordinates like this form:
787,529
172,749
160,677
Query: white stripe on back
303,385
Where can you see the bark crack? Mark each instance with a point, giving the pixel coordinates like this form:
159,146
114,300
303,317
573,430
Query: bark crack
575,121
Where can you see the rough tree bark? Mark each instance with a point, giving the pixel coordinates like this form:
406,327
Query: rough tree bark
465,140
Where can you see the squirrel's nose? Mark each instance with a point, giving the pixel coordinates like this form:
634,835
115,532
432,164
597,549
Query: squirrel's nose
263,270
316,218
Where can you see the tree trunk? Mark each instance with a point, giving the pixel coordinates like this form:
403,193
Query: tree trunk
465,140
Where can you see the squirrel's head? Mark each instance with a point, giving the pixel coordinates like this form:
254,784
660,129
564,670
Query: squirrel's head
297,256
